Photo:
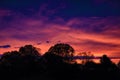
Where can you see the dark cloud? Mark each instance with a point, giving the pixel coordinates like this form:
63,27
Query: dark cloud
64,8
5,46
47,41
97,24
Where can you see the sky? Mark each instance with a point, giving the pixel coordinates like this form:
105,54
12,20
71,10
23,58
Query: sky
87,25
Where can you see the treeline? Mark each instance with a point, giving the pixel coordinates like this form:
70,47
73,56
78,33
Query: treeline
56,64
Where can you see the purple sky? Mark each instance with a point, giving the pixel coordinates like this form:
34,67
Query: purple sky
89,25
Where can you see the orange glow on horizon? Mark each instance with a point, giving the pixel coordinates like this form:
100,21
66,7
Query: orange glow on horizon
73,32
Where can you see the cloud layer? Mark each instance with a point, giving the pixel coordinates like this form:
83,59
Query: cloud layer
99,35
43,25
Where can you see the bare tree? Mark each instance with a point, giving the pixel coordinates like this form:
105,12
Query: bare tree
87,57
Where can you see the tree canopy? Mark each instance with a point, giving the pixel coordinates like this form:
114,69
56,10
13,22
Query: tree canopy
61,49
29,50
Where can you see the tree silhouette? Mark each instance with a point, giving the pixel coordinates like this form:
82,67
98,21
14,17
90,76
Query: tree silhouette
29,50
10,56
26,64
63,50
11,59
105,61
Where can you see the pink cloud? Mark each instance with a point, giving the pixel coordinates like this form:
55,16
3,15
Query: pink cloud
96,34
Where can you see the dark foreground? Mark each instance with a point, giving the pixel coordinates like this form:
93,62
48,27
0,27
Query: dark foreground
53,67
28,64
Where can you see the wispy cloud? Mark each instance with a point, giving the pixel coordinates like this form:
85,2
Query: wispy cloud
5,46
95,34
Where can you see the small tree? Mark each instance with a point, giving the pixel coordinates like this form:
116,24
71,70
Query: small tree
105,61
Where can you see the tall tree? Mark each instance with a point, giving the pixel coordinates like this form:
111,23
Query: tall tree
61,49
65,51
